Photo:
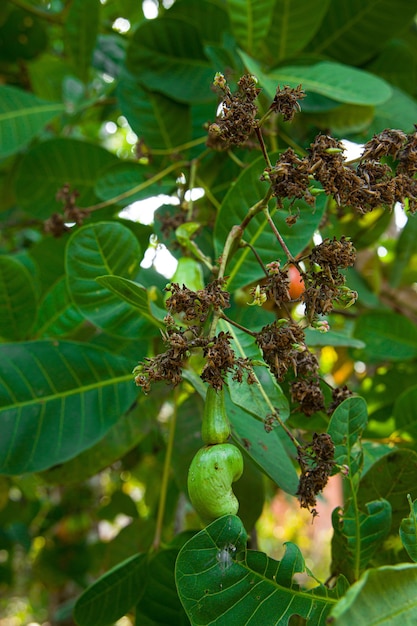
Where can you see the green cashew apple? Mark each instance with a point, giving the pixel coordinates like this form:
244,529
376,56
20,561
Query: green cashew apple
210,477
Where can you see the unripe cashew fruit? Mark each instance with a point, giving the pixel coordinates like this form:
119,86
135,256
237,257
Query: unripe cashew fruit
216,427
210,477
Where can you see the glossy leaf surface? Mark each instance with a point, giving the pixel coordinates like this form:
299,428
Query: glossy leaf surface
58,398
219,581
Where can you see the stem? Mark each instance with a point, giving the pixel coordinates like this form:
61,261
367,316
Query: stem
133,190
233,323
246,244
278,235
191,185
263,147
165,476
54,18
180,148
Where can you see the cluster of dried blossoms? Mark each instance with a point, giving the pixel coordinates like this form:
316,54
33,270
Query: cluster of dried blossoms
372,184
316,460
56,225
193,307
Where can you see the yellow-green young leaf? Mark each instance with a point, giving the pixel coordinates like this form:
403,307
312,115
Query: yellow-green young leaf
18,300
22,117
58,398
408,530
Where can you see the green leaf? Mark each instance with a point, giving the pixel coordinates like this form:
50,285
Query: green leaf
215,21
160,121
57,315
80,34
167,56
58,399
50,165
399,111
220,582
408,530
94,250
18,300
292,26
249,406
386,595
341,83
357,29
124,183
404,249
123,436
391,478
405,413
22,117
331,338
250,20
387,335
360,534
244,268
133,293
160,584
345,428
112,595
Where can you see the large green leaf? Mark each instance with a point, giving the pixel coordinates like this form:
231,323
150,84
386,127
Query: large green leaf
124,435
135,294
249,406
399,111
57,399
112,595
246,192
405,413
160,121
387,335
408,530
339,82
128,182
359,534
404,249
391,478
160,584
22,117
292,26
220,582
386,595
57,314
94,250
251,21
51,164
167,56
18,300
80,33
345,428
357,29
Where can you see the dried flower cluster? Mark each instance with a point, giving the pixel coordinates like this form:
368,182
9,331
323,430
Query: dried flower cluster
238,111
316,461
327,285
193,306
56,224
371,185
196,305
286,101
